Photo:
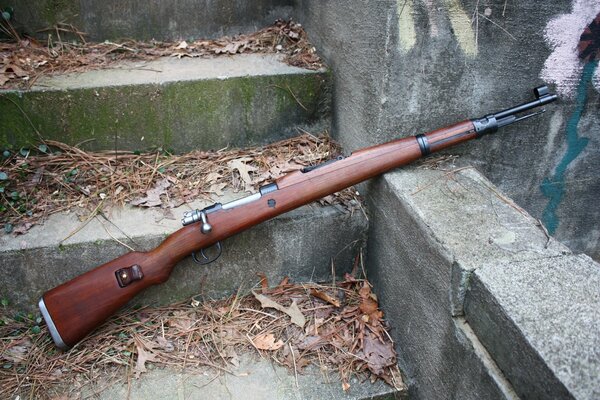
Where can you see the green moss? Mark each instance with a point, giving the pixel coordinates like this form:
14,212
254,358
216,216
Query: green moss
54,11
182,116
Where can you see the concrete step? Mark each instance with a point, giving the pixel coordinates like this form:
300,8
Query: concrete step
253,379
174,104
154,19
298,244
484,303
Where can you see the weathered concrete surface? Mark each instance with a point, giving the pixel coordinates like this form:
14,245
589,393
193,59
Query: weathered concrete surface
539,320
156,19
253,379
429,230
206,103
299,244
403,67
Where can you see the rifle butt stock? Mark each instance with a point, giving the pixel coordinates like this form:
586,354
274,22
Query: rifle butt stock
75,308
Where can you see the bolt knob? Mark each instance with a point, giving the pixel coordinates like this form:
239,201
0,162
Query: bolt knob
206,227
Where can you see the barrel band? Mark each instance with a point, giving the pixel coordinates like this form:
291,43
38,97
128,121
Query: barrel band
423,144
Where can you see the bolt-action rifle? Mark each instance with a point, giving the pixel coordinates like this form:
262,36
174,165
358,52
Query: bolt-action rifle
75,308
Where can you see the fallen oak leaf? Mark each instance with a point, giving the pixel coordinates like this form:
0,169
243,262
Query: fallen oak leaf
217,188
378,355
266,341
293,311
145,354
152,198
243,169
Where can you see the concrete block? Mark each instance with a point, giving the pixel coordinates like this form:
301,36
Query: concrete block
539,320
145,20
178,105
299,244
429,230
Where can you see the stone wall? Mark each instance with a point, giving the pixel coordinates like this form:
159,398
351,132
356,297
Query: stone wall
143,19
411,66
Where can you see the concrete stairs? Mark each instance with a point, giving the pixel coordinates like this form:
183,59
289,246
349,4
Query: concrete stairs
182,105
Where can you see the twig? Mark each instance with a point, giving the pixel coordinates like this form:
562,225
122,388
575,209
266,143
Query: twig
440,177
112,236
504,30
87,220
295,367
289,90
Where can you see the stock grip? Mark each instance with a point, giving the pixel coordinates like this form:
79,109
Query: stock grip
75,308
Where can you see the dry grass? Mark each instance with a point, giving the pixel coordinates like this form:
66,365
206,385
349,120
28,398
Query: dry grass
343,331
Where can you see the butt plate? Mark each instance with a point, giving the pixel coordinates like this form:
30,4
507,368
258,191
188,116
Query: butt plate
51,327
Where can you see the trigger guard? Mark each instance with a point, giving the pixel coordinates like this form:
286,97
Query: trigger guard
205,259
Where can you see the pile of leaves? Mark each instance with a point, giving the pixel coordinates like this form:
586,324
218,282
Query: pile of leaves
57,177
23,61
335,327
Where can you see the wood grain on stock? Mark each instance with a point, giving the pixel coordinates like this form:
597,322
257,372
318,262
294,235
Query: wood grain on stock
82,304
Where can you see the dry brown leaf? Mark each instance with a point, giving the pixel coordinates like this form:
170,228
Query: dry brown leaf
293,311
264,282
166,345
22,228
152,198
217,188
266,341
18,352
244,169
145,354
345,385
182,320
379,355
325,297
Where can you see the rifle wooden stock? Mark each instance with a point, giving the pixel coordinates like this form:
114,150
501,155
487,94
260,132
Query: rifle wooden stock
75,308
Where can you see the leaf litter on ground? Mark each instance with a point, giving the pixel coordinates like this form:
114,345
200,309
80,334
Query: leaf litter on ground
193,336
24,60
67,178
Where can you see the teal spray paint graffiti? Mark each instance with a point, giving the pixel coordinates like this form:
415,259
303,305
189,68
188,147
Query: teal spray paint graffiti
553,188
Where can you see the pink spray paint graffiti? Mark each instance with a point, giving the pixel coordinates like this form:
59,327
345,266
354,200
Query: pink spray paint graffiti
564,66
